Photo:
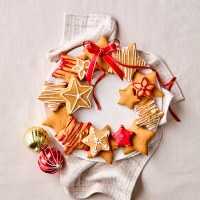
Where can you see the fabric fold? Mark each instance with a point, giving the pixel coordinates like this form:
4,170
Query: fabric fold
115,181
78,28
161,67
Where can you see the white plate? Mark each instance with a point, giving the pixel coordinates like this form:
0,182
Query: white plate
112,113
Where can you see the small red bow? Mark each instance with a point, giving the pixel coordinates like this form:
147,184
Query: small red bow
105,54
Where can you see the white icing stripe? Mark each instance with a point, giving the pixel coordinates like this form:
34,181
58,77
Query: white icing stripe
49,95
128,56
148,115
98,141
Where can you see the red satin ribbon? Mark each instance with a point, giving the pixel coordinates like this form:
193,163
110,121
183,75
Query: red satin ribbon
168,86
106,54
97,81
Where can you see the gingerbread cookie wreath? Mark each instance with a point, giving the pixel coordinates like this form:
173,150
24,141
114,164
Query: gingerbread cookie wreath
72,86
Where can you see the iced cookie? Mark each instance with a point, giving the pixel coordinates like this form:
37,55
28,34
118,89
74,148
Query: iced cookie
97,140
148,115
145,86
72,134
81,68
64,69
128,55
122,137
107,155
49,95
76,95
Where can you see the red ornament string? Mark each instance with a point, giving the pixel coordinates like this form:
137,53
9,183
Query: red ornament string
97,81
106,54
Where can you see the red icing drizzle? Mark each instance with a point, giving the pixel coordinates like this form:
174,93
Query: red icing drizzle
70,137
143,88
65,63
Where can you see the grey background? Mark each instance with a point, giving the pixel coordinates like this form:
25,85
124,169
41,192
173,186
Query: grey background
29,28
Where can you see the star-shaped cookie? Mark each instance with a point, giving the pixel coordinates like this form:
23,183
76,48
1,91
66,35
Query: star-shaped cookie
64,70
72,134
127,97
151,77
122,137
129,56
49,95
140,139
107,155
148,115
143,88
97,140
102,42
57,120
76,95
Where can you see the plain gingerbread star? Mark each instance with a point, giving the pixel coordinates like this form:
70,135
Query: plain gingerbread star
140,140
76,95
122,137
151,77
57,120
127,97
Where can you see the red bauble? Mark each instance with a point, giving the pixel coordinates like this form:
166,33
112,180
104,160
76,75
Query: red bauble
51,160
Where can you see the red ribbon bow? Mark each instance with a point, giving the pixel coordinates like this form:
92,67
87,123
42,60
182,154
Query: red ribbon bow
106,54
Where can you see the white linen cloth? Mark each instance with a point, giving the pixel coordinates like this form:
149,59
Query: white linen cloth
81,178
78,28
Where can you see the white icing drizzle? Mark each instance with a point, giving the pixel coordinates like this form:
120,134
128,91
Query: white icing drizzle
127,55
148,115
49,95
98,141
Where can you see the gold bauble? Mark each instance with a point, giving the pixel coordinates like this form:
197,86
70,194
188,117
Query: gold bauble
36,139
